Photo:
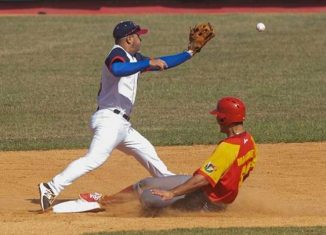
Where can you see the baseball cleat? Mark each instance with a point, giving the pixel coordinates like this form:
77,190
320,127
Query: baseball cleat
47,196
90,197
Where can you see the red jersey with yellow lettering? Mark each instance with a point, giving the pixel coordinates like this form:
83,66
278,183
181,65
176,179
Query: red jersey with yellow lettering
228,166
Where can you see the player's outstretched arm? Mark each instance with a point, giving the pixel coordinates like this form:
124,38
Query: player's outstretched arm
120,69
194,183
177,59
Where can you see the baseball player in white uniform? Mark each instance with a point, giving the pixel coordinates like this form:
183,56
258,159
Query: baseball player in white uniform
110,123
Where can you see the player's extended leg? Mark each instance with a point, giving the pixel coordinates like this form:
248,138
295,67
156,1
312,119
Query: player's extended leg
124,196
96,201
138,191
109,130
138,146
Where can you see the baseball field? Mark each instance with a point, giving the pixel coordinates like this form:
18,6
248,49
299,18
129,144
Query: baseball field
50,71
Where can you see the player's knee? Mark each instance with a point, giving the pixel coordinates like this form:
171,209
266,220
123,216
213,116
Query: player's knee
141,185
148,200
146,183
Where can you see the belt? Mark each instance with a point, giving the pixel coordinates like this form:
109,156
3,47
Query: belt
123,115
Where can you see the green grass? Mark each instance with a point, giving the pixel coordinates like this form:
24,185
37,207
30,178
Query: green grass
50,71
318,230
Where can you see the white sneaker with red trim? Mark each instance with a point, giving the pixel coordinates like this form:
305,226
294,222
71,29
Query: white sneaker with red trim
90,197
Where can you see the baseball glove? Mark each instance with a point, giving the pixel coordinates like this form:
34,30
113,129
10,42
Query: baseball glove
199,36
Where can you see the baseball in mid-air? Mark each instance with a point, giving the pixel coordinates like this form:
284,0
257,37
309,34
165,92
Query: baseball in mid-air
260,27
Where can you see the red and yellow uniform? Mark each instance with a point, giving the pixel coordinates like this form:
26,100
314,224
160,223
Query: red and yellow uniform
228,166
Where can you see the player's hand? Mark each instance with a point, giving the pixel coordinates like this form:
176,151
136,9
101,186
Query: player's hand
165,195
158,64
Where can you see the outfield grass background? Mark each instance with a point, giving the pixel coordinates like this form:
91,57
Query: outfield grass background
51,67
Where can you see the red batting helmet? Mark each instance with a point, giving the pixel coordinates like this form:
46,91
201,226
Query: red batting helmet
229,110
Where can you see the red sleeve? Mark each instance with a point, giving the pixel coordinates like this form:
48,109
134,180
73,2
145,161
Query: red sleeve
209,179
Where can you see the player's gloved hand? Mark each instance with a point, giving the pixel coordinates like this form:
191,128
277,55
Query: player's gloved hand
165,195
199,35
157,64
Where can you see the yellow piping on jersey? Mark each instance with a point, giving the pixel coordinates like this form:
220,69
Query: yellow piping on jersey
246,157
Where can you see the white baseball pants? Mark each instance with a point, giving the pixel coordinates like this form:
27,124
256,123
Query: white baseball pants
111,131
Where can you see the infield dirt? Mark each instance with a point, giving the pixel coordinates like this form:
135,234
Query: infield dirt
286,188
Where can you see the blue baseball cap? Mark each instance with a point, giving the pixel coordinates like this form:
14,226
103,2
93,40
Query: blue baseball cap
125,28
